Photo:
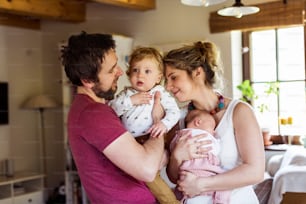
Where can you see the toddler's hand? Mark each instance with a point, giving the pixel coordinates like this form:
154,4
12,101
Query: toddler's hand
141,98
158,129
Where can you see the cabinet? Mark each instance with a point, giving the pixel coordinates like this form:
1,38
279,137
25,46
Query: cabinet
22,188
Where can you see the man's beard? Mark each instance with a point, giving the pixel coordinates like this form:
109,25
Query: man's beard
107,95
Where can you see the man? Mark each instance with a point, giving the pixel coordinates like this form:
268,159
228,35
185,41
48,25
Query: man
112,165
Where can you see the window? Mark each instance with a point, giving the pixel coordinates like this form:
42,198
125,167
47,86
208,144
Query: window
277,59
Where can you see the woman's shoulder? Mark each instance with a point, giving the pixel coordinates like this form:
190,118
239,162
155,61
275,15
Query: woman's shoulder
242,111
236,108
240,105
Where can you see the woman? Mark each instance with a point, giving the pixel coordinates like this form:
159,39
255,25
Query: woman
192,74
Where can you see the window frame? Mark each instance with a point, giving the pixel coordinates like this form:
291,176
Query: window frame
246,65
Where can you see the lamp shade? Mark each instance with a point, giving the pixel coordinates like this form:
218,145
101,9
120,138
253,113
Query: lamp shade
201,2
238,10
40,101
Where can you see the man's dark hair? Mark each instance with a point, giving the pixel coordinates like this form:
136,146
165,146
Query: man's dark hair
83,55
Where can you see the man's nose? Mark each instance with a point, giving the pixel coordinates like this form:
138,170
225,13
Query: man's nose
120,71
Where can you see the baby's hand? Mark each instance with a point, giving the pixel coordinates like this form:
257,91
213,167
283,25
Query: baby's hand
158,129
141,98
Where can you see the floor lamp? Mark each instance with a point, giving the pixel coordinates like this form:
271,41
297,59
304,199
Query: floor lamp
40,103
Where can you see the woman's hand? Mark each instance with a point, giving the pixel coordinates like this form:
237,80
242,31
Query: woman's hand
165,159
187,147
191,147
188,184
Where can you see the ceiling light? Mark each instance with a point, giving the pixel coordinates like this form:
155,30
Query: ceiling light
238,10
201,2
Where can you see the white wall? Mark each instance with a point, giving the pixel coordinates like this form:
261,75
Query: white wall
20,67
4,129
170,23
29,60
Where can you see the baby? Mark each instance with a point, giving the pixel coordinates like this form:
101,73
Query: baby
199,122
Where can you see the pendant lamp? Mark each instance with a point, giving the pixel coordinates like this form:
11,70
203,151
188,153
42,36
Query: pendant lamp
201,2
238,10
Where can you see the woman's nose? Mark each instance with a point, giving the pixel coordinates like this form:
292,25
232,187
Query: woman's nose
168,86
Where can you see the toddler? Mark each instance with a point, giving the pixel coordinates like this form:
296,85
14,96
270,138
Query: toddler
134,106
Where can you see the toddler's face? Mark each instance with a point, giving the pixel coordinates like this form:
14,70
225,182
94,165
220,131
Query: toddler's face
144,74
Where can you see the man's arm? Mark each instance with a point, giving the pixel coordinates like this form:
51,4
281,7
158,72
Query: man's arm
140,161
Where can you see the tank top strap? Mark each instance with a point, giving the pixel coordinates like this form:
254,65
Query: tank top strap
231,107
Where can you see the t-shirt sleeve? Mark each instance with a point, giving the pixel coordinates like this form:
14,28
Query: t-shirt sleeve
101,125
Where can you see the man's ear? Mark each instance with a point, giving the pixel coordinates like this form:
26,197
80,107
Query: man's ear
87,84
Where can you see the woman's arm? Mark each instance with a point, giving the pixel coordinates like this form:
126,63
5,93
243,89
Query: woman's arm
250,147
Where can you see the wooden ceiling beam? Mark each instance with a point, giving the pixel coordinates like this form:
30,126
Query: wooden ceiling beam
19,21
64,10
142,5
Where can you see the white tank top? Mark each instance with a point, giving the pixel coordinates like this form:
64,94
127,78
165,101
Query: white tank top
229,155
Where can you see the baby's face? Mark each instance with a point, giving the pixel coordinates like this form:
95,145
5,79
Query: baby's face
145,74
200,120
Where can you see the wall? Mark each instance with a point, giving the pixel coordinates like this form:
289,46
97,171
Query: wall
30,62
20,57
4,129
170,23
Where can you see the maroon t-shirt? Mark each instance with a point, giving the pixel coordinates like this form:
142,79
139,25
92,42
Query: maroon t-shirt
92,127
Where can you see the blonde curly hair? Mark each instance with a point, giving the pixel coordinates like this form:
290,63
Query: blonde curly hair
141,53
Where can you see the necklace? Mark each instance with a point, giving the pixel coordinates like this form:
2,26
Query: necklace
219,107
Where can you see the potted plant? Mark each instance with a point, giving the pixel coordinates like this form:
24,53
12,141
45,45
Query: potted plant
247,91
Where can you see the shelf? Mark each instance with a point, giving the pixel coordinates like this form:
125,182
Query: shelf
21,186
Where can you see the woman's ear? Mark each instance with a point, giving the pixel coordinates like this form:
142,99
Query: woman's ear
197,72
